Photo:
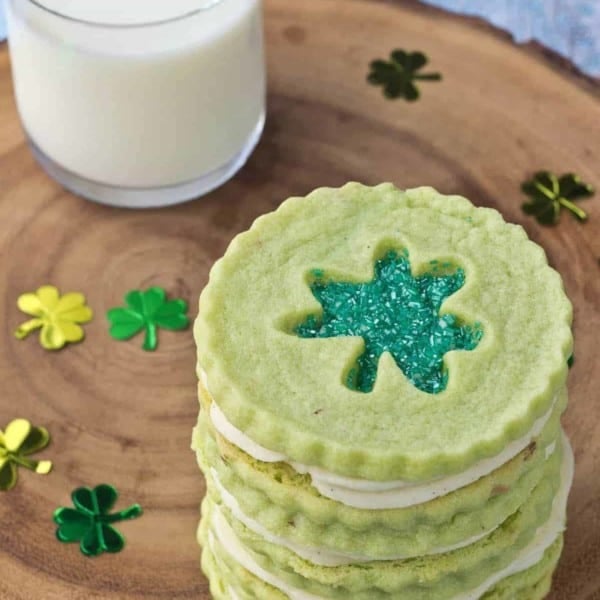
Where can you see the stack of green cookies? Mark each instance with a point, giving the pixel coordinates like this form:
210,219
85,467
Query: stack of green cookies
382,376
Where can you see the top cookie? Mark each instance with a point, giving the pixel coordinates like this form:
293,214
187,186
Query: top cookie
384,334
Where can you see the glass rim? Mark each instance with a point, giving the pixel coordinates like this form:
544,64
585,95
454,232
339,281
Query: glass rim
206,5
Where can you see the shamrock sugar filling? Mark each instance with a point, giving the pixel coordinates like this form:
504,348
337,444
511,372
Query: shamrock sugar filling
398,313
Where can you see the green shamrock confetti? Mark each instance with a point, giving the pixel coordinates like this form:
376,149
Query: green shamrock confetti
19,440
398,313
89,523
147,311
397,76
549,194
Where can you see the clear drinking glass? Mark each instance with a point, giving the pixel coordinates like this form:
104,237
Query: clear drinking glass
139,103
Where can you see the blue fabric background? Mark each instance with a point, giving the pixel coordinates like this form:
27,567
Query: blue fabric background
571,27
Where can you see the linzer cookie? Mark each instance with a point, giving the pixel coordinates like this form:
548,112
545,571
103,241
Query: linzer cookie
382,375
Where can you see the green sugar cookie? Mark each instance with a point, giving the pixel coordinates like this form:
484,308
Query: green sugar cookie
284,502
218,576
531,584
384,334
441,576
228,578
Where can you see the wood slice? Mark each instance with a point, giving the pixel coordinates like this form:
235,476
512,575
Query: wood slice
123,416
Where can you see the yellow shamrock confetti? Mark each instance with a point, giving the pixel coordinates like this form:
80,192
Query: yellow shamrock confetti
17,442
57,316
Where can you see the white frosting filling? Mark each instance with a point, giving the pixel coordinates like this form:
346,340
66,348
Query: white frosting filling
233,594
528,557
550,448
317,556
545,536
374,495
232,434
221,530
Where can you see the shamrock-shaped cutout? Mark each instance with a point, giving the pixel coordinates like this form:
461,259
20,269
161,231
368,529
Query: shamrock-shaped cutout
549,194
146,311
398,75
17,442
398,313
57,316
89,523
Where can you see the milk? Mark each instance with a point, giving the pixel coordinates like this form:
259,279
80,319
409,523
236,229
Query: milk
119,97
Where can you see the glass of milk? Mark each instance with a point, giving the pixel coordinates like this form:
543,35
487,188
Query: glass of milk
139,103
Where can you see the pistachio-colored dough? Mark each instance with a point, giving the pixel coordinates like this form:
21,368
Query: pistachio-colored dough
532,584
285,503
288,393
441,576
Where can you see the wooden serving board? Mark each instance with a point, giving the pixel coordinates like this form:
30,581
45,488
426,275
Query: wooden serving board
123,416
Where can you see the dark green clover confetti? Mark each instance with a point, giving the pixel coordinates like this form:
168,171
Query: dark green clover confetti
89,523
549,194
398,313
147,311
398,75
